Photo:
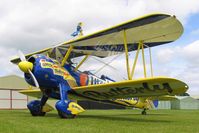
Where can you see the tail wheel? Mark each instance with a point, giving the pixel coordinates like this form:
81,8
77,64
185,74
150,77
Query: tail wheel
144,112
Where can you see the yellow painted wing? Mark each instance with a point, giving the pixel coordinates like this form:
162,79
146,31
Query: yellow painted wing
162,98
38,94
32,92
153,30
146,87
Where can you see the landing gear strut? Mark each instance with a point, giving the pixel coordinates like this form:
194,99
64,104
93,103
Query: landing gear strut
65,107
144,112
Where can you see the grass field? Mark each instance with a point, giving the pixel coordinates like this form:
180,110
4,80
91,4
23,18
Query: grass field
102,121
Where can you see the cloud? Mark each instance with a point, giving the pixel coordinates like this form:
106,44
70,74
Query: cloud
7,68
195,32
31,25
181,63
165,55
191,53
181,8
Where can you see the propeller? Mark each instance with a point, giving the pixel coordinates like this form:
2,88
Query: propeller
21,56
26,67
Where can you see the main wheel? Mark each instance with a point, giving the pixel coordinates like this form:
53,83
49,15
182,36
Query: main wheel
65,116
38,114
35,108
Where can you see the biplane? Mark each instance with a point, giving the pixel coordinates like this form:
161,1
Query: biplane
55,75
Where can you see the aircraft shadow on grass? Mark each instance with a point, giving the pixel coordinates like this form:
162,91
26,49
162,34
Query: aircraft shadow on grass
119,117
124,117
114,117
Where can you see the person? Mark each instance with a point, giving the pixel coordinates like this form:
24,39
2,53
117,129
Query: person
79,31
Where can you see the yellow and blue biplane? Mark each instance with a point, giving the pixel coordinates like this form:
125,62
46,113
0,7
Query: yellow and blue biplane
52,71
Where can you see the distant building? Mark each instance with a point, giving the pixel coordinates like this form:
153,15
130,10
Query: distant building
196,97
185,102
10,98
182,102
164,104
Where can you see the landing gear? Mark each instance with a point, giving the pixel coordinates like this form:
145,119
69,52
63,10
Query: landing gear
65,107
62,109
144,112
36,106
65,116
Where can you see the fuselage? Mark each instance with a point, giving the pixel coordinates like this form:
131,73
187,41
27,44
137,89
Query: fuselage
49,74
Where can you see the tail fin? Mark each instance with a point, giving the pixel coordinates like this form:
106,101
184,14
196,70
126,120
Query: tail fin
155,103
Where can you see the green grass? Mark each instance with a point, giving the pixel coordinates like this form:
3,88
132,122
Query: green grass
103,121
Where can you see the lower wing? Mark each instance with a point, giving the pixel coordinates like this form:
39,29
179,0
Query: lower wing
146,87
151,88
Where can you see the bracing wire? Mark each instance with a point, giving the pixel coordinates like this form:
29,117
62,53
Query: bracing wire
108,64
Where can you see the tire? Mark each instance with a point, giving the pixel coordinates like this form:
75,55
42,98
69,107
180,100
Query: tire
143,112
38,114
65,116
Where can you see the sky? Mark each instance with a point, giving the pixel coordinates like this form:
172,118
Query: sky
31,25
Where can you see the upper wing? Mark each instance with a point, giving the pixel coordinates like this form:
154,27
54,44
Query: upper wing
147,87
153,30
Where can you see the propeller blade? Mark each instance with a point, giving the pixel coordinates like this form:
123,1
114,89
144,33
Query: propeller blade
21,56
34,79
